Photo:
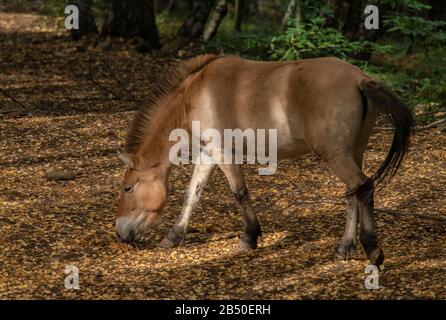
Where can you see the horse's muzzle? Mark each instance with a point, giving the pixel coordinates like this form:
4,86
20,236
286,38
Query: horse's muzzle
127,229
130,228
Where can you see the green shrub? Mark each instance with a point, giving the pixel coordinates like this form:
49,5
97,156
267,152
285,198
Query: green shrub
254,45
314,39
411,28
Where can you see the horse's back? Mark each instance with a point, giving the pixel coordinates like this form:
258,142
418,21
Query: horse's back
307,101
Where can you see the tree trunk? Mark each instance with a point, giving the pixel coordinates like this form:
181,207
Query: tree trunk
195,21
87,23
170,6
219,13
239,8
293,9
353,19
288,13
298,14
134,19
342,13
354,27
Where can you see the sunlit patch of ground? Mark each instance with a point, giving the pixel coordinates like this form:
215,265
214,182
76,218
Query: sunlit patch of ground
45,226
26,22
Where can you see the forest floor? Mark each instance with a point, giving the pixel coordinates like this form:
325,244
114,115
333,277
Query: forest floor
73,105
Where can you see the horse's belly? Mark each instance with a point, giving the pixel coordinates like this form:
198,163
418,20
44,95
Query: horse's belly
290,135
289,147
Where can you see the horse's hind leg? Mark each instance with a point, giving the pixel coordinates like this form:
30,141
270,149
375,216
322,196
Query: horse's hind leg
360,207
348,242
367,233
238,186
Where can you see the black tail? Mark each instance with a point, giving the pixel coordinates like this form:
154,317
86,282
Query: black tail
402,121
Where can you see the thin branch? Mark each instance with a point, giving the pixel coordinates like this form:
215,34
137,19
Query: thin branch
121,85
339,203
417,214
288,180
431,125
95,99
14,99
90,76
430,112
417,128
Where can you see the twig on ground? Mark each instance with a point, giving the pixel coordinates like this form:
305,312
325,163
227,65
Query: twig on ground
290,181
68,99
92,79
417,214
14,99
431,125
417,128
121,85
430,112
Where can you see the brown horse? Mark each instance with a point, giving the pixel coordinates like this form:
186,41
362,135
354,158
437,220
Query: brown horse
324,105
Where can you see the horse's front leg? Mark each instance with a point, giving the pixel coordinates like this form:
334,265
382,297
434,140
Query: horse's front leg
200,177
238,186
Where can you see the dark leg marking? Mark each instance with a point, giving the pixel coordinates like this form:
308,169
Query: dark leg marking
241,195
367,236
176,235
252,227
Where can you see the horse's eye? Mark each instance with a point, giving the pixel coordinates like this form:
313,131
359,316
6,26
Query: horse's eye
128,188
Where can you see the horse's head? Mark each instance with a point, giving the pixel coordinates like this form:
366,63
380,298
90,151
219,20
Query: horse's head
143,195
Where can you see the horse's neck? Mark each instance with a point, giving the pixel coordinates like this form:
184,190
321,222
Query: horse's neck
156,146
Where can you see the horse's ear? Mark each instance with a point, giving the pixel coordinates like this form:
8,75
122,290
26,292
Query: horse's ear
126,159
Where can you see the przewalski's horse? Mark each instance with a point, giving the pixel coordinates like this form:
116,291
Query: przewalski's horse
325,106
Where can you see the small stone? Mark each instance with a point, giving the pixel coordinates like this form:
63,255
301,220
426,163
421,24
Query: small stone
59,175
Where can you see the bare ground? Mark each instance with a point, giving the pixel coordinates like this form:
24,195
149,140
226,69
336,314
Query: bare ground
73,104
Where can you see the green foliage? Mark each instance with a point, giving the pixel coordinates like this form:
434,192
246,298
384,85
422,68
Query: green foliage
313,39
417,28
316,8
168,24
413,28
420,80
56,7
254,45
411,5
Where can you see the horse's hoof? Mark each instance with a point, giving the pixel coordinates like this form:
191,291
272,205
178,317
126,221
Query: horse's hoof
345,250
167,243
376,256
245,246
